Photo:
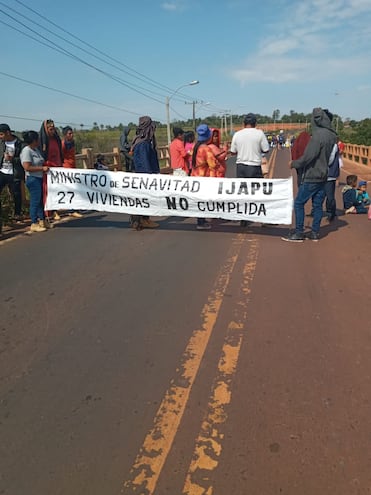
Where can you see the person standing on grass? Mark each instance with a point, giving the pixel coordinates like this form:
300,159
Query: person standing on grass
314,167
11,171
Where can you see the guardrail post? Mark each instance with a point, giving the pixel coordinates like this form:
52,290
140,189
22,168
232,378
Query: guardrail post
88,159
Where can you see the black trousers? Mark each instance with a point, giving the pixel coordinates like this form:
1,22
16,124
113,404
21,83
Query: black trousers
330,201
249,171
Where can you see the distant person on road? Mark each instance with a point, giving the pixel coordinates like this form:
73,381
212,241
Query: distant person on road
219,153
178,154
125,149
11,171
145,160
250,144
351,201
35,167
314,165
203,162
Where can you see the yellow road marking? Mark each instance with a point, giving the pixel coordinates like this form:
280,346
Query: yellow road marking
208,445
157,444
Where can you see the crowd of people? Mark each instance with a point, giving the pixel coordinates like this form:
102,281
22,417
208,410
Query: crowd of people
316,157
26,162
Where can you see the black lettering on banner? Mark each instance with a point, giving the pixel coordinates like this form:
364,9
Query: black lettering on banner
113,183
65,197
172,203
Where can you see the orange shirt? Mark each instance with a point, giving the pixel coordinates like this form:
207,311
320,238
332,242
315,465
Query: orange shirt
69,159
205,162
178,155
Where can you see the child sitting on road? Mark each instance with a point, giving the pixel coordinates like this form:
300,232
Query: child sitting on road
362,194
350,197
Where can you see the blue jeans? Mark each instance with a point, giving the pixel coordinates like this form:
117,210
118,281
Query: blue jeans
35,186
308,190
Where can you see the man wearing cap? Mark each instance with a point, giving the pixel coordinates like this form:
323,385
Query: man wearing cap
178,153
11,170
250,144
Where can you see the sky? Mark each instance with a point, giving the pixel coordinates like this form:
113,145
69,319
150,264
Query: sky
84,62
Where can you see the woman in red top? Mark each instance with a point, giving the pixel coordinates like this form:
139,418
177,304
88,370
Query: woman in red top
51,149
68,148
219,153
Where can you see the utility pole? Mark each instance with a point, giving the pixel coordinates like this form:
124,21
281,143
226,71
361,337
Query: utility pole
167,105
194,103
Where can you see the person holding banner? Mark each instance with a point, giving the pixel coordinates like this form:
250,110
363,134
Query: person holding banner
35,167
250,144
219,153
51,150
203,163
145,161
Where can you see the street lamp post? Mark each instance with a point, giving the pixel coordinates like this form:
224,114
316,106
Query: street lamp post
167,103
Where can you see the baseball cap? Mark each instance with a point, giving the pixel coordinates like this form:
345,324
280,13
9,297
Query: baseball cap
4,128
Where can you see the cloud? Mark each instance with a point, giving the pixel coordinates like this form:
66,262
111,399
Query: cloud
312,41
174,6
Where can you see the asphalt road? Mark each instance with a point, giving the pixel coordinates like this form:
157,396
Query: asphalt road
173,361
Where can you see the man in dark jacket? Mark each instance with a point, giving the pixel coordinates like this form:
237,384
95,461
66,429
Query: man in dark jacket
125,149
11,170
313,165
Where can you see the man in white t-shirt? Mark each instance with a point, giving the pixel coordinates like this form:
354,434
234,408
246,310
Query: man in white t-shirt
250,144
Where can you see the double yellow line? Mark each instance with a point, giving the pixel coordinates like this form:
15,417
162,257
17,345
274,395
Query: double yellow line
152,456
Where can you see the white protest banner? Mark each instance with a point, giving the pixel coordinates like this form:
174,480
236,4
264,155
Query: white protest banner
256,200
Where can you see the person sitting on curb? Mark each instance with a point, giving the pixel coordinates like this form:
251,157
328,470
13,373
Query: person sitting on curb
350,197
362,194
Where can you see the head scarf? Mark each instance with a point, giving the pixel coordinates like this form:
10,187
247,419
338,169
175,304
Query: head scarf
145,132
